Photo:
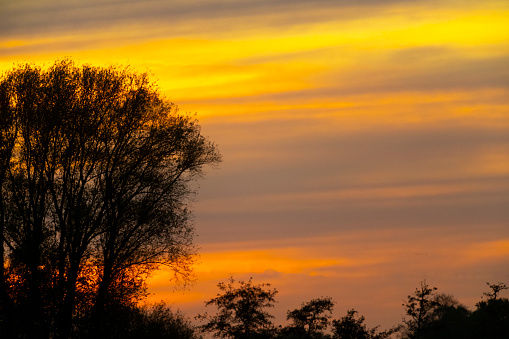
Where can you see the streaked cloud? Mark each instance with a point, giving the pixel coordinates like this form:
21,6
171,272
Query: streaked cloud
53,15
365,143
390,259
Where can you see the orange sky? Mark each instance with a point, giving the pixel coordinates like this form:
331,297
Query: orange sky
365,143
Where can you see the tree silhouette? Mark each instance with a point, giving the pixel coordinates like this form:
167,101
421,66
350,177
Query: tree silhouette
311,318
156,321
241,311
95,172
448,319
431,315
348,327
495,290
419,309
491,318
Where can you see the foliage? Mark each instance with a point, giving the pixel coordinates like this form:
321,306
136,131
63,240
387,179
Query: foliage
241,311
348,327
448,319
444,317
495,290
491,318
148,321
95,172
419,309
156,321
428,315
309,320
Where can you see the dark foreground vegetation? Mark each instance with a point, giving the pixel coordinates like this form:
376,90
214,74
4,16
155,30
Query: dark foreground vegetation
96,170
241,313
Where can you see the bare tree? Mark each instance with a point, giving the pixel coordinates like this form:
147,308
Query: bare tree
96,173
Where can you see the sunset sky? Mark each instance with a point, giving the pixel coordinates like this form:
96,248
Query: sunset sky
365,143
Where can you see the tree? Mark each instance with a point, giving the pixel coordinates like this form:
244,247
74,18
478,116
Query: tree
495,290
157,321
95,173
419,309
491,318
448,319
8,133
441,316
348,327
311,318
241,311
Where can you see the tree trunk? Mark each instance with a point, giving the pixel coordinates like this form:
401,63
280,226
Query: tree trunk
65,314
99,308
6,306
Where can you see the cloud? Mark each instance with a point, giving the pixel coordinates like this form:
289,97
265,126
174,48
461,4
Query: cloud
445,75
384,266
316,176
25,17
151,18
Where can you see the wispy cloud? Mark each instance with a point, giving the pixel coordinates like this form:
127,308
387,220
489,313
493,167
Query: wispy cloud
25,17
365,143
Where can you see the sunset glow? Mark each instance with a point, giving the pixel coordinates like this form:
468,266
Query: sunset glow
365,143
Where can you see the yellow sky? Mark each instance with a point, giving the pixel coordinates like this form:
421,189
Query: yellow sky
365,143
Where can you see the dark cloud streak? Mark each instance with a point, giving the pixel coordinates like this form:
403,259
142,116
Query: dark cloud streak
29,18
316,183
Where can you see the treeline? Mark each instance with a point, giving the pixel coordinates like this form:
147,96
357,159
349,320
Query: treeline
241,313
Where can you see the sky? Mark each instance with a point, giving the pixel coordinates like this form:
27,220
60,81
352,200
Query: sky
365,143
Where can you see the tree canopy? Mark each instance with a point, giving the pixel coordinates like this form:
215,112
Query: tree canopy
428,315
419,309
348,327
241,311
96,169
311,318
431,315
